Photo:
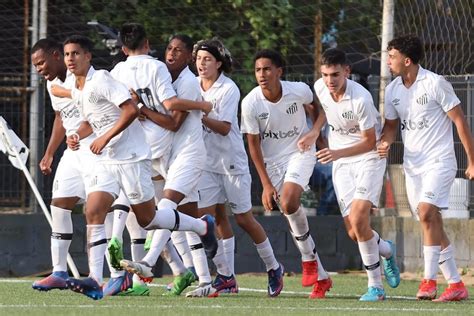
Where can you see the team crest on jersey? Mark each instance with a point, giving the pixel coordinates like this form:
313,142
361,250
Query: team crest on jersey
94,98
396,102
292,109
349,115
422,100
263,116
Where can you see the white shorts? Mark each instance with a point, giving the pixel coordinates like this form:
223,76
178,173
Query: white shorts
122,199
69,180
159,166
297,169
215,188
431,187
184,173
360,180
133,178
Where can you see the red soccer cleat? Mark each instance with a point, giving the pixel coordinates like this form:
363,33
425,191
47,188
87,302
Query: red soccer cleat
427,290
310,273
454,292
320,288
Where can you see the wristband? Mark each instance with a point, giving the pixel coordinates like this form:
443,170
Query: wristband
77,136
140,105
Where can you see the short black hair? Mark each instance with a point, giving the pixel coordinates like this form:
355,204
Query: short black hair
334,56
47,45
83,41
215,47
408,45
275,56
133,35
188,41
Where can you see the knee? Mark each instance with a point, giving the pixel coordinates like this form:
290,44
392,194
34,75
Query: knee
289,206
427,216
244,219
352,234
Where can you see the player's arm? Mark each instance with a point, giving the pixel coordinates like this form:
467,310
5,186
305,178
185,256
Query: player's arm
176,104
83,131
60,92
128,114
456,114
220,127
269,192
319,119
57,137
366,144
170,122
389,134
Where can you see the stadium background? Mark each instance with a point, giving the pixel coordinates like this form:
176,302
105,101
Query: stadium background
301,30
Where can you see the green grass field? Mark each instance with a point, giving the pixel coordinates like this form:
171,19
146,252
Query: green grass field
17,298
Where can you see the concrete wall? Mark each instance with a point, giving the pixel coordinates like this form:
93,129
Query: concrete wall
24,244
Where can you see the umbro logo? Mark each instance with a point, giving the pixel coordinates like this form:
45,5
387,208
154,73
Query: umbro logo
263,116
349,115
396,102
292,109
422,100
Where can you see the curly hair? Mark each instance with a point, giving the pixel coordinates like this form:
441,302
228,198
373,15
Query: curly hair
215,47
408,45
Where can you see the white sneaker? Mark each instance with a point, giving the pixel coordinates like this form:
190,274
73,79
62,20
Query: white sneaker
203,290
142,269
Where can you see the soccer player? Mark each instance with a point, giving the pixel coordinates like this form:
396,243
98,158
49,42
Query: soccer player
425,105
123,162
357,170
273,117
68,187
226,176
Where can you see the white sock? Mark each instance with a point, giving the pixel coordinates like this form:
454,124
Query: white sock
160,238
137,237
300,230
265,251
220,260
96,245
61,237
171,256
431,258
174,220
384,247
120,219
447,264
159,185
181,244
199,257
322,274
167,204
229,252
369,251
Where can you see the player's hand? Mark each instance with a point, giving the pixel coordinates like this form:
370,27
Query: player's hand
98,144
72,141
382,149
45,164
134,95
269,195
207,107
327,155
307,140
469,172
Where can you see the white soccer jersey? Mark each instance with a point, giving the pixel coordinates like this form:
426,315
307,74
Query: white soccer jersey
280,124
70,114
190,132
151,79
225,154
427,131
99,104
354,113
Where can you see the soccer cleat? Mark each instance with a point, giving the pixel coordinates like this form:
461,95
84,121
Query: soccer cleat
454,292
142,269
275,281
225,284
180,283
57,280
209,240
118,285
320,288
88,286
136,290
374,294
116,252
390,269
310,273
427,290
203,290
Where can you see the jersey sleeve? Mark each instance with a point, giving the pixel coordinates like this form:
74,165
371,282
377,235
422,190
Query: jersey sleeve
249,121
227,110
113,90
164,88
306,93
390,112
445,95
366,113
